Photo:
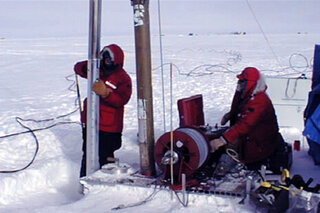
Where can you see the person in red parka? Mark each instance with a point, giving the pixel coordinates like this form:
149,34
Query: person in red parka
254,130
114,89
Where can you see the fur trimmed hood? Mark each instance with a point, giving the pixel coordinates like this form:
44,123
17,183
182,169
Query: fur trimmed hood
115,52
255,81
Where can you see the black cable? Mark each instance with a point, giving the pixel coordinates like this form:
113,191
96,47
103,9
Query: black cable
180,201
73,84
32,131
210,69
35,153
39,129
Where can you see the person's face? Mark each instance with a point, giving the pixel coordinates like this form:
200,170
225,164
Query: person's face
241,86
107,63
106,59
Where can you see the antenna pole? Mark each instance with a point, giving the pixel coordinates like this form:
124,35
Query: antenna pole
92,163
144,86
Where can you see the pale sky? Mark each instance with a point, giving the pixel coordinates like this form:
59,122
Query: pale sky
70,18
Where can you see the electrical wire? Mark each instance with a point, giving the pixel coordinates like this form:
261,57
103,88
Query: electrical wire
32,131
35,130
211,69
233,154
34,155
149,198
180,201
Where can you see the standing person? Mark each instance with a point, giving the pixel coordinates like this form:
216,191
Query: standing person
114,89
254,131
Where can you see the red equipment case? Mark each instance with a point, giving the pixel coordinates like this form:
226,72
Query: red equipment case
191,111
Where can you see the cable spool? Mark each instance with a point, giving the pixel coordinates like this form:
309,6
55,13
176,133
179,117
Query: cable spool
201,142
189,144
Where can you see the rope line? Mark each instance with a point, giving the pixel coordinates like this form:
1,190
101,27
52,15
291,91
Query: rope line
263,33
161,62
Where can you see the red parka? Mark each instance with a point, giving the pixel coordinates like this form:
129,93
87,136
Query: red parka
111,107
255,128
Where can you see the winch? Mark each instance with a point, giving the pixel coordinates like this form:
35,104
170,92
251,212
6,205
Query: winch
190,141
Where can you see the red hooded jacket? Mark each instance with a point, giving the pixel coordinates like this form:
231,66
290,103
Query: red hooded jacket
255,128
111,107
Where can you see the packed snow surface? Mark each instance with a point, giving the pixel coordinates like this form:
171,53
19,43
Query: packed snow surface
40,41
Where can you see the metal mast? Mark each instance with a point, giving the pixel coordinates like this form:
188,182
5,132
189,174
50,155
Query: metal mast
144,85
92,163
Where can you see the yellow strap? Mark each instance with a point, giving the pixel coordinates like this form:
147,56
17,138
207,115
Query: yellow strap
285,174
269,185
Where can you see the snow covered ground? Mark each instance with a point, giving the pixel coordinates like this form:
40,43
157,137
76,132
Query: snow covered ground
41,40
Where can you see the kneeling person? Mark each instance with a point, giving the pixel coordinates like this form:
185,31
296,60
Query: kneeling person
254,131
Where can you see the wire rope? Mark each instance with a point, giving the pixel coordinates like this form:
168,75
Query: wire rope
162,73
263,33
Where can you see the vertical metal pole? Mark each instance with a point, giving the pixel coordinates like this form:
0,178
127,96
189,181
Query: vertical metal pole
248,189
161,60
171,128
92,163
144,87
184,188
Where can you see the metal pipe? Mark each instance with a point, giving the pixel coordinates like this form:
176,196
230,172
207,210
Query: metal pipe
184,188
144,86
92,163
171,127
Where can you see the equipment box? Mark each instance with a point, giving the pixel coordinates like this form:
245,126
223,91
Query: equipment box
191,111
